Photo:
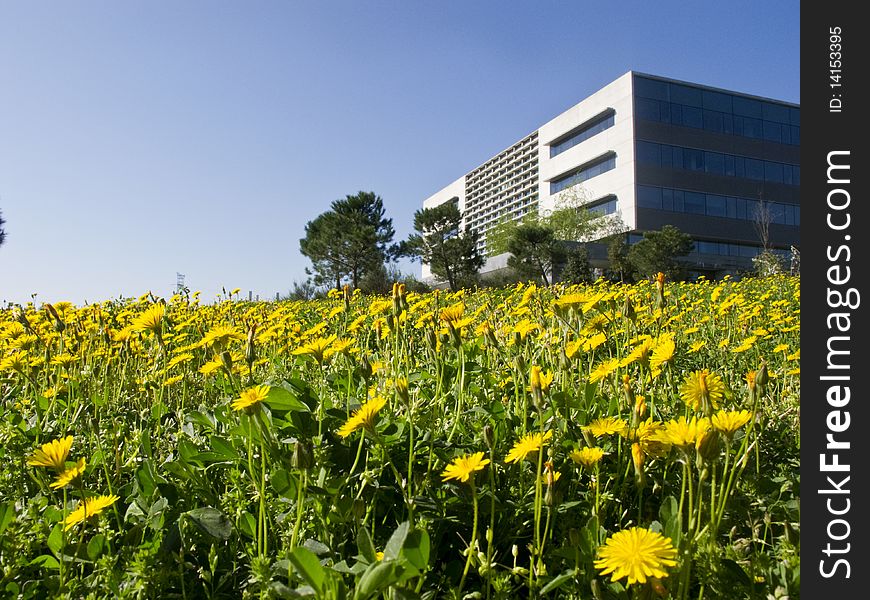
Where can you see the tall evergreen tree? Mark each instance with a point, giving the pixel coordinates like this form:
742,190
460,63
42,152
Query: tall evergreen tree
658,252
535,251
349,241
450,253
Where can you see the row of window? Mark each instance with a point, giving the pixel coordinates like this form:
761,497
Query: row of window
585,172
722,248
663,155
713,205
729,249
607,207
586,131
717,122
722,102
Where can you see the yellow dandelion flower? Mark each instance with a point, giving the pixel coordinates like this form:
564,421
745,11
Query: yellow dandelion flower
316,348
728,422
211,366
603,369
180,359
363,417
251,397
605,426
89,507
636,554
572,348
463,467
52,454
587,456
695,346
528,444
702,390
14,362
221,335
151,319
640,353
593,342
172,380
684,432
453,313
69,475
663,353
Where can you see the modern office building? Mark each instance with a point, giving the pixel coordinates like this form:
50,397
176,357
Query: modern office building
655,151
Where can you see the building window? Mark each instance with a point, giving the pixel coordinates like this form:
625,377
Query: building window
691,159
714,205
718,112
592,127
584,172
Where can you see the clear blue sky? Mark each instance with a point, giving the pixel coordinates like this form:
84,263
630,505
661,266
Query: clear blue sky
140,139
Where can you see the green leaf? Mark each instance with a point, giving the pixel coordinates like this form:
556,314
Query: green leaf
247,524
46,560
396,541
282,399
308,566
211,521
205,420
365,545
671,519
96,546
284,483
223,447
7,513
55,539
377,577
558,581
416,549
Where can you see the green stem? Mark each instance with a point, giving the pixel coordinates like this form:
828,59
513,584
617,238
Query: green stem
471,545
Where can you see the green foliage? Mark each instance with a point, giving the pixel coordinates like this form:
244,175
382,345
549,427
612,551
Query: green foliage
767,263
450,253
658,251
578,269
619,266
535,251
349,241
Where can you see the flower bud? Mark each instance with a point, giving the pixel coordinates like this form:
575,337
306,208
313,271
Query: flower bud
488,436
302,455
401,385
628,311
250,353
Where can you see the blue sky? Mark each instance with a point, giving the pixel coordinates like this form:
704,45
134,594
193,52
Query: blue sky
141,139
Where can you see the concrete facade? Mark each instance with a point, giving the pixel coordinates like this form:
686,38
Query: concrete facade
654,151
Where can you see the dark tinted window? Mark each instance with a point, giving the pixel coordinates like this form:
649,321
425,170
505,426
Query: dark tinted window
747,107
685,95
649,88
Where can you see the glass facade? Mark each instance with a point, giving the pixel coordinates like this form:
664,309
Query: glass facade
717,163
603,207
713,205
583,133
722,248
718,112
585,172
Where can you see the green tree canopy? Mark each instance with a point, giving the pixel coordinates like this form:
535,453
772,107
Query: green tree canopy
450,253
535,251
349,241
658,251
570,220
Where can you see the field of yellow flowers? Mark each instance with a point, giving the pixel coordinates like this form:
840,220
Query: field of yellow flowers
600,441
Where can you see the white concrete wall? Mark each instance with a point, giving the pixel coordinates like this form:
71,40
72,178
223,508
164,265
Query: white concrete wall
618,139
454,190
